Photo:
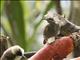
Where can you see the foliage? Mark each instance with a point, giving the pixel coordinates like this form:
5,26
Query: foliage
19,18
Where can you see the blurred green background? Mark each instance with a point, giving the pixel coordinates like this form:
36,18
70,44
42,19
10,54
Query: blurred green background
22,20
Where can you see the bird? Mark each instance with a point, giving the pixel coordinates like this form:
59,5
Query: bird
57,27
52,30
12,53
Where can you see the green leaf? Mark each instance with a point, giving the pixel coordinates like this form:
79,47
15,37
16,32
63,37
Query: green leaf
1,6
50,5
15,16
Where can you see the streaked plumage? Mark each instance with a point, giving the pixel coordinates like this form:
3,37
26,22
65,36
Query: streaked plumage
12,52
58,26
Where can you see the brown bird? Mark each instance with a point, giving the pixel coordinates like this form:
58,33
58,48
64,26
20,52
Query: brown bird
58,26
51,30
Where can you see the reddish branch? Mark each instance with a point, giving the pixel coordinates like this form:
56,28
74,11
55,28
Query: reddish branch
59,49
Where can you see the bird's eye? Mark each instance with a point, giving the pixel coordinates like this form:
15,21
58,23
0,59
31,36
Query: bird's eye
51,19
19,53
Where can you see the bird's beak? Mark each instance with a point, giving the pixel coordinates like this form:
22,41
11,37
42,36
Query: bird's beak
44,18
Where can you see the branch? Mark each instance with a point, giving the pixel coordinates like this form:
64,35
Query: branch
29,54
61,48
58,7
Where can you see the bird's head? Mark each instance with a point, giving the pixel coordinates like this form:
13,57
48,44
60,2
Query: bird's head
49,18
12,53
17,50
54,18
